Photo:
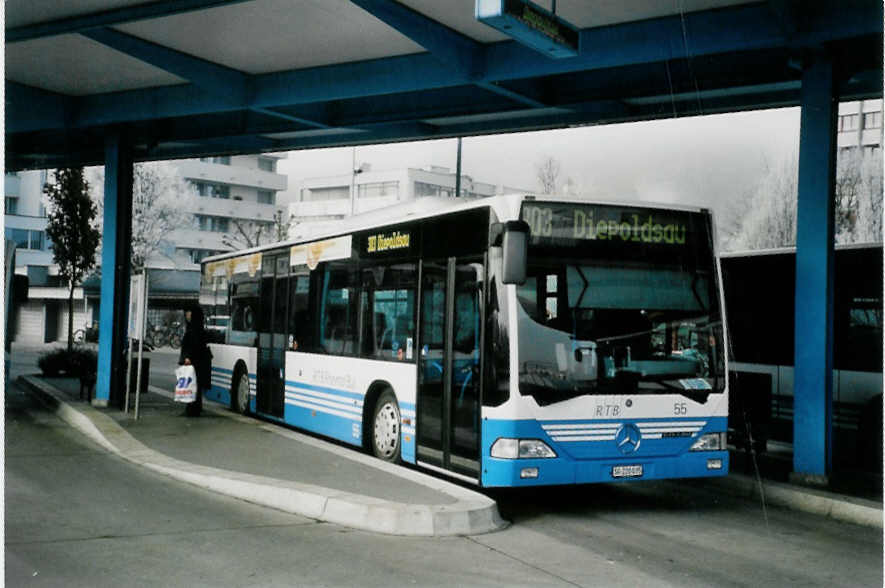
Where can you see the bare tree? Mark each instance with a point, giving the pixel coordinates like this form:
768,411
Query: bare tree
770,219
858,198
730,219
871,208
547,173
252,233
158,192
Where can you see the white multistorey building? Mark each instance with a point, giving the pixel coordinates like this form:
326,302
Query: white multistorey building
232,192
25,220
44,317
335,197
860,126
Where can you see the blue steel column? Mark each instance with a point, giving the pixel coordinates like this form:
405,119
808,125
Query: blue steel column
813,376
115,254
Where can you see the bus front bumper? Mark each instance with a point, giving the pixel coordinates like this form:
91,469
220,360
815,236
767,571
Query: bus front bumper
563,470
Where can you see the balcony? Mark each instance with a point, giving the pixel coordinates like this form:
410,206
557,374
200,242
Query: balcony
231,208
229,174
192,238
12,185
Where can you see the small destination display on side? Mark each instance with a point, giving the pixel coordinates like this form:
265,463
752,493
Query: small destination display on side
386,242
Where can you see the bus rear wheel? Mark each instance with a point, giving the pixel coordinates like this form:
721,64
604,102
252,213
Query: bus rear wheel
386,428
241,395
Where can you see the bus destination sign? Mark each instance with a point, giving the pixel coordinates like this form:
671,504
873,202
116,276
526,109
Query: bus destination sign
532,25
552,222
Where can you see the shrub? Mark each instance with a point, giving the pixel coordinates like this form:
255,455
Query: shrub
73,363
53,363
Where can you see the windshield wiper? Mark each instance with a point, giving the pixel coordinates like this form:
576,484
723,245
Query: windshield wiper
667,382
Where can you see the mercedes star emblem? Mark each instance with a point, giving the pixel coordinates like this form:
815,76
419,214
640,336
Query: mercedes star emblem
628,438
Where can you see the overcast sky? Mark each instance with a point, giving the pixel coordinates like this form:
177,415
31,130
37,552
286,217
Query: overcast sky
704,160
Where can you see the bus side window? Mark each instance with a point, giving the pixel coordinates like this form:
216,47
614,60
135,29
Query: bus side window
339,310
299,327
389,312
244,302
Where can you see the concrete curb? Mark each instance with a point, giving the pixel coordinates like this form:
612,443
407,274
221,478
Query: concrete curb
842,508
471,514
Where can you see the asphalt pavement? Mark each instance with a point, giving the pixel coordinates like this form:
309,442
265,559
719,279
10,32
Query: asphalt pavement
274,466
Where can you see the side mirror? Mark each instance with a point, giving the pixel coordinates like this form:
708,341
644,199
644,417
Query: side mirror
515,245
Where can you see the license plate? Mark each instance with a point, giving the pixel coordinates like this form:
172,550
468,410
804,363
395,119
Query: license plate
627,471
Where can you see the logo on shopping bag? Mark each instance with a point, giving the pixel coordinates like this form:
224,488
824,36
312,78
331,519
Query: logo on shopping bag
185,384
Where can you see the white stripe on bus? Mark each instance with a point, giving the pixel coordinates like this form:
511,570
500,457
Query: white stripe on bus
335,405
671,424
586,438
310,406
583,432
581,426
323,395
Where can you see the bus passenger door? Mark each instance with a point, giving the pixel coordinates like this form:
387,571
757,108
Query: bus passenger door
449,365
272,327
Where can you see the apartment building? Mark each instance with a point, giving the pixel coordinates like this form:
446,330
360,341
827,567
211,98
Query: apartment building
326,199
44,317
233,192
860,126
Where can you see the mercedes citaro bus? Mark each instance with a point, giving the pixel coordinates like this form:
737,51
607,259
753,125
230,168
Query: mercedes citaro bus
505,341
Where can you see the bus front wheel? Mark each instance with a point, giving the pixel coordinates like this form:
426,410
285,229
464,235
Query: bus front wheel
386,428
241,395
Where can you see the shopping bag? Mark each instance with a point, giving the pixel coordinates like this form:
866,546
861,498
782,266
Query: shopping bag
185,384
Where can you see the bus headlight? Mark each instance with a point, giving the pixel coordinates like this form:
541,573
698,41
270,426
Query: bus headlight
505,448
710,442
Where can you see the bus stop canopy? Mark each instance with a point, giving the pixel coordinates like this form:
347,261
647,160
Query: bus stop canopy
183,78
116,81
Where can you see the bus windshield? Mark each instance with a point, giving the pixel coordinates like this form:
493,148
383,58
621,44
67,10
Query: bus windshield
618,300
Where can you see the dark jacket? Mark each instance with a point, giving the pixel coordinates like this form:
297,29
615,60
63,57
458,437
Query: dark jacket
194,347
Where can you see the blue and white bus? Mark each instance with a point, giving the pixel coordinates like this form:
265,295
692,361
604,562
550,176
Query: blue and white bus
760,292
507,341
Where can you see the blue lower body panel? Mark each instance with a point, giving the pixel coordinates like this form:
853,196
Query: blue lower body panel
594,459
221,387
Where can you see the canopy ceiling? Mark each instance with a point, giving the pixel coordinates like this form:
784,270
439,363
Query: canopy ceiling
195,77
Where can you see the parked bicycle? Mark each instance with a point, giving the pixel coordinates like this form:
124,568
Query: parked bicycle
175,333
164,335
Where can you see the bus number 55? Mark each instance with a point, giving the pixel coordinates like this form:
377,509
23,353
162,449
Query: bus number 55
680,408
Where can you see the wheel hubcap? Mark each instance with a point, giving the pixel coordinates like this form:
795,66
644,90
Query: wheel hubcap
243,393
387,429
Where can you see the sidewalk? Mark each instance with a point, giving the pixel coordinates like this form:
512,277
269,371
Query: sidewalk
274,466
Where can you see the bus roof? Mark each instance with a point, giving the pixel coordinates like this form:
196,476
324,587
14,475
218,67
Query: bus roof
505,205
792,250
